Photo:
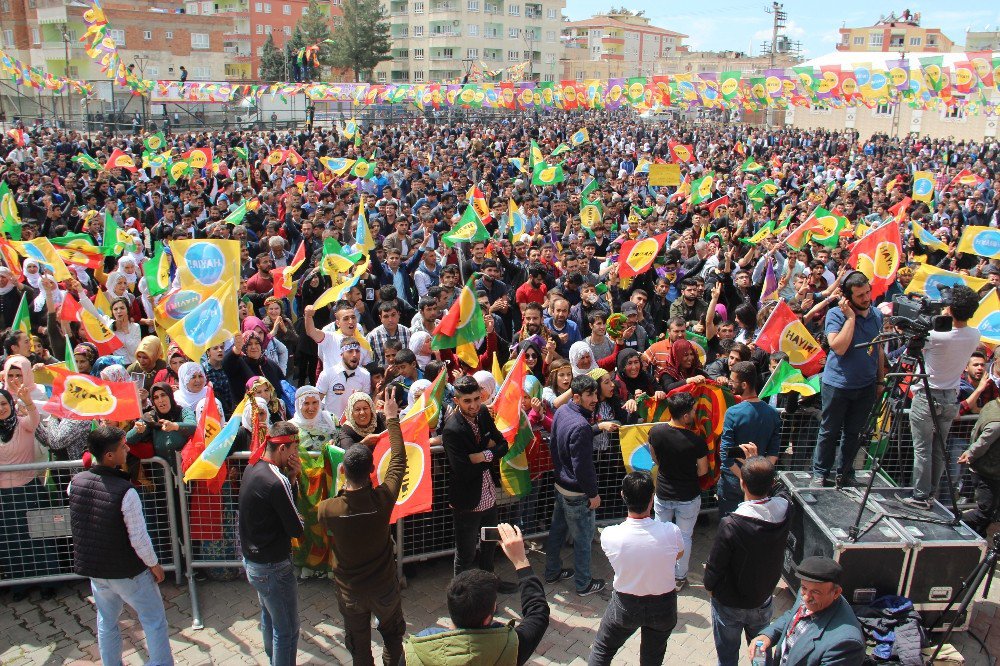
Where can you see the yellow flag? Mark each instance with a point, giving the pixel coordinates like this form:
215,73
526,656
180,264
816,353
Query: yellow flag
497,372
206,263
923,186
929,280
987,318
42,251
212,322
338,291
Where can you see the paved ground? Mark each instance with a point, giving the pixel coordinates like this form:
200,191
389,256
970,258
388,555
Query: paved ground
61,631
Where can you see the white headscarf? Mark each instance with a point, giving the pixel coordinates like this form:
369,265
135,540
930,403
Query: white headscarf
115,373
132,277
417,341
486,381
11,281
578,351
184,397
416,389
247,418
34,279
320,425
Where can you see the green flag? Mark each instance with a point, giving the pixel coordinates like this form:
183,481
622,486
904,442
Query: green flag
514,474
543,174
68,356
22,318
157,271
155,142
363,169
242,153
751,165
786,378
469,228
336,259
114,239
11,218
236,217
560,149
87,162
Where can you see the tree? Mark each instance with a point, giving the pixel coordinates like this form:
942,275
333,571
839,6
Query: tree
272,62
362,41
314,27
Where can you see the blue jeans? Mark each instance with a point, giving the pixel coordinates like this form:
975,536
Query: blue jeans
143,595
730,625
728,492
279,608
573,516
928,458
684,515
845,413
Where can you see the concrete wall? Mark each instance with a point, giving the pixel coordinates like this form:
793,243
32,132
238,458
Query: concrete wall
871,121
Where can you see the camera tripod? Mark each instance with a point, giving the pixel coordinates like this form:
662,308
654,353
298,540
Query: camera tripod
967,592
885,422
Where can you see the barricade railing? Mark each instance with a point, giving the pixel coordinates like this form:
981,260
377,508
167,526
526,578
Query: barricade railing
36,542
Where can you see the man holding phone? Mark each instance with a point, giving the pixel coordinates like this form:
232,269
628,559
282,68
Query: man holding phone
852,377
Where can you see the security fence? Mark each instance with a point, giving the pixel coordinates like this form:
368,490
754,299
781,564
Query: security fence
36,545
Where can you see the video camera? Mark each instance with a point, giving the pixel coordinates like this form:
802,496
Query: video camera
917,315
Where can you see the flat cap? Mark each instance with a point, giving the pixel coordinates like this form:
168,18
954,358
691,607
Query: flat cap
819,570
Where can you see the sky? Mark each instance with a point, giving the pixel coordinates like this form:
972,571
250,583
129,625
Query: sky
738,25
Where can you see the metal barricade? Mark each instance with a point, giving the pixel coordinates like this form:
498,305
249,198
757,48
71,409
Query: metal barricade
36,543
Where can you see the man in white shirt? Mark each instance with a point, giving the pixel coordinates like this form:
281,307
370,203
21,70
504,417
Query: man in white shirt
945,356
329,339
339,382
644,596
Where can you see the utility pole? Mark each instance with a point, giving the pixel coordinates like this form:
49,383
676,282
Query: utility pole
140,62
780,18
65,37
898,95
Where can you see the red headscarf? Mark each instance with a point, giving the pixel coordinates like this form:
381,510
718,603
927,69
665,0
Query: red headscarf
672,360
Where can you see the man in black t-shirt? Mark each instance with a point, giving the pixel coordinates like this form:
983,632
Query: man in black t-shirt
682,457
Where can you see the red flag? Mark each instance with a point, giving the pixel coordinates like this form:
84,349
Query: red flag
11,258
681,152
292,157
899,210
283,276
508,402
637,256
721,201
416,494
783,331
17,135
800,236
209,425
964,177
119,160
92,327
877,255
199,158
85,398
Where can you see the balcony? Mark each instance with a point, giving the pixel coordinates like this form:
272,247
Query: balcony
446,8
444,36
613,40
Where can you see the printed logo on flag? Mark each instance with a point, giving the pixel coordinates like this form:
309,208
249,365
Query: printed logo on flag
181,302
641,458
923,187
935,283
206,263
989,327
83,396
413,476
885,263
642,253
987,242
729,86
202,327
797,342
547,175
198,158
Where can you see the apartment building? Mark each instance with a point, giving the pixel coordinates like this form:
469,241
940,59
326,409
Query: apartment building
616,45
901,33
439,40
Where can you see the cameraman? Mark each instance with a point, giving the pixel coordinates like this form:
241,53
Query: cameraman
945,358
850,378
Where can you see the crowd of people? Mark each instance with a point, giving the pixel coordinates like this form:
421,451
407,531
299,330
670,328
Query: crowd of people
598,347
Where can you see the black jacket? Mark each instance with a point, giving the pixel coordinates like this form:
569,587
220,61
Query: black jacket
746,558
465,479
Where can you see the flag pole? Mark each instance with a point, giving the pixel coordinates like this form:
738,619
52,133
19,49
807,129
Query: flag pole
461,261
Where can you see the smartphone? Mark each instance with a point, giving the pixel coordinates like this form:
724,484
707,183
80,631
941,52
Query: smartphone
489,534
736,452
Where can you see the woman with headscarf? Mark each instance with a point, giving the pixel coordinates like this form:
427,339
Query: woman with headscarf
245,360
311,287
148,360
21,492
533,358
420,345
192,388
273,348
259,387
17,372
254,424
581,358
166,426
32,272
487,385
362,424
85,355
316,426
10,297
175,359
681,366
609,414
631,378
281,329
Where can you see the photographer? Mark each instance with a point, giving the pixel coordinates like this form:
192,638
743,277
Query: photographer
850,379
945,356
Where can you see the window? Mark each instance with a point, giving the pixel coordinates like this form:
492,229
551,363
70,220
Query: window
418,31
286,10
169,34
418,76
931,40
473,5
5,5
118,35
192,8
875,39
513,56
448,53
147,34
202,72
954,112
31,4
258,7
288,30
550,77
550,35
883,110
513,33
514,10
550,58
36,37
418,8
403,54
418,54
472,53
267,7
207,7
8,38
153,71
580,74
473,29
260,29
267,30
859,41
199,40
381,77
915,41
551,14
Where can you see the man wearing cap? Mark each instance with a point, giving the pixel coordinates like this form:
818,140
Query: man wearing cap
339,382
820,627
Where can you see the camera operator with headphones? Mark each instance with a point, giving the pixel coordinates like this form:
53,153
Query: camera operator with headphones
945,356
850,379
